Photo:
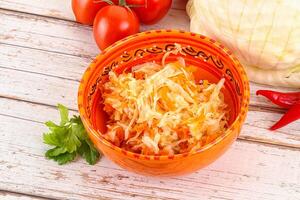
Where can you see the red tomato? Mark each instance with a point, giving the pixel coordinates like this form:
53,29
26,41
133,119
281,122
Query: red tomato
113,23
151,11
86,10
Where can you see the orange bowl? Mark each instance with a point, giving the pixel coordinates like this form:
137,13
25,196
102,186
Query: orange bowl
213,62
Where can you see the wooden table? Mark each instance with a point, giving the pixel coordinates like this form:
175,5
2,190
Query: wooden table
43,54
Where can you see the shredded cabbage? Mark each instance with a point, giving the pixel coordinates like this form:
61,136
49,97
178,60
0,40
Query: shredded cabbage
161,110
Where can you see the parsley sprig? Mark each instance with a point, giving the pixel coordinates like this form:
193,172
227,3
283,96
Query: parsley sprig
69,139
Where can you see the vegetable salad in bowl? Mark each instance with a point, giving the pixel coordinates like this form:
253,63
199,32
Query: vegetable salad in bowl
164,102
161,110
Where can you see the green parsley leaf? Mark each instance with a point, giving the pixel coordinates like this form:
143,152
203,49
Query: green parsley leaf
87,151
55,152
56,135
78,128
60,155
64,158
64,114
69,139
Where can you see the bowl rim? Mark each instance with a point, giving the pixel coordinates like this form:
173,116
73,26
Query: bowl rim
239,120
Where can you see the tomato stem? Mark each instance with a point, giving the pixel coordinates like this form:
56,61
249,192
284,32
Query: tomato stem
135,6
106,1
124,3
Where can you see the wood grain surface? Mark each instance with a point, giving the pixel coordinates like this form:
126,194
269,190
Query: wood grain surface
43,54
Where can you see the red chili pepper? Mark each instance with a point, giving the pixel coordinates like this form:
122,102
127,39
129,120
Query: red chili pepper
291,115
290,100
285,100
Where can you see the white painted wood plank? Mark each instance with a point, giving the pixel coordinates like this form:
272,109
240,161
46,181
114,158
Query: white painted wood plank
246,171
47,75
45,89
59,36
254,180
56,8
15,196
63,36
46,34
61,90
29,111
71,38
38,88
43,62
254,129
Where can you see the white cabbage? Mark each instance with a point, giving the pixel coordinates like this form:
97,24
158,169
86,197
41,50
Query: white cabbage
263,34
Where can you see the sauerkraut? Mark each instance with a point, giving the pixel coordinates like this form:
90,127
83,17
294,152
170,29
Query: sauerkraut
162,110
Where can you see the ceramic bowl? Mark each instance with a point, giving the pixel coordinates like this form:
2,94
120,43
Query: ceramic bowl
213,61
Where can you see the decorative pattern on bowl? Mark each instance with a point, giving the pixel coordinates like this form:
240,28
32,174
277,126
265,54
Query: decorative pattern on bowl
213,60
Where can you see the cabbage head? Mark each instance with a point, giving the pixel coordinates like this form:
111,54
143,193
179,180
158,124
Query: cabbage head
263,34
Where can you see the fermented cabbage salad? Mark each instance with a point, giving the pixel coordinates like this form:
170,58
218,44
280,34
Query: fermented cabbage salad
161,110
